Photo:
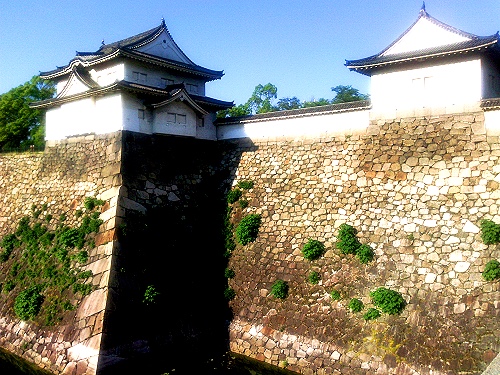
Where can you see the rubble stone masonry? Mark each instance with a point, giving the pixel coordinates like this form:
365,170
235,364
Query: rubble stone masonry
61,177
416,190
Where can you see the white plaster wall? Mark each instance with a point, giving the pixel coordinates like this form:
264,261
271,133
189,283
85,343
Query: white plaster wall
165,47
74,86
424,34
72,118
154,77
162,126
108,114
131,120
107,76
492,122
84,116
490,70
346,123
60,85
435,86
208,131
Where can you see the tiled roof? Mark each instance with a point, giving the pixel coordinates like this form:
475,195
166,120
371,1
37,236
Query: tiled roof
473,44
310,111
378,60
133,41
154,94
490,104
127,47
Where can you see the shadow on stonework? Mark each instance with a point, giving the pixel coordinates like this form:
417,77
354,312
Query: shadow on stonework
166,289
11,364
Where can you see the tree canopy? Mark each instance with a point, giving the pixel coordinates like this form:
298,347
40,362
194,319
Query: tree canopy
347,94
20,125
264,96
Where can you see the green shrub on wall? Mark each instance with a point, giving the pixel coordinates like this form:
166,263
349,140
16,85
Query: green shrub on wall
371,314
280,289
365,254
387,300
28,303
335,295
229,273
313,277
347,242
492,270
355,305
313,249
45,270
490,232
150,295
245,184
233,195
229,293
248,229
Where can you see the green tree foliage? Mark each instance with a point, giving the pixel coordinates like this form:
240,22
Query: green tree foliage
316,103
236,111
262,98
285,104
347,94
20,125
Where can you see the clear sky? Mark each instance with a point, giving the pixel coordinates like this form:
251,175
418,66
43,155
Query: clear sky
299,46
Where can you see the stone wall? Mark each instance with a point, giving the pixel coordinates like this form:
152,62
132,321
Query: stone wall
416,190
169,222
60,178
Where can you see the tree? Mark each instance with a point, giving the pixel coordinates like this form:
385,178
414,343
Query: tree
347,94
263,96
261,99
316,103
285,104
239,110
20,125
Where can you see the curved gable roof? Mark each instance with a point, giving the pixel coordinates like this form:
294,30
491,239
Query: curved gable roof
426,38
136,47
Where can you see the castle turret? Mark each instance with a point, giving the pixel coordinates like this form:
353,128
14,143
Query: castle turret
433,65
144,83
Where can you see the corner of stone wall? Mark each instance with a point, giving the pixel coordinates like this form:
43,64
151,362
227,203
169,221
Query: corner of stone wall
62,176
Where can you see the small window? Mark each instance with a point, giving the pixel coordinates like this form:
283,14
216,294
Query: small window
140,114
171,117
143,77
135,76
181,119
176,118
192,88
200,121
165,82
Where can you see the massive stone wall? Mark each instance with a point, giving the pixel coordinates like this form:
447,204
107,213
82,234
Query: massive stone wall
169,222
416,190
59,179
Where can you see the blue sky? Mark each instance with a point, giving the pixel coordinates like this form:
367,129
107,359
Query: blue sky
299,46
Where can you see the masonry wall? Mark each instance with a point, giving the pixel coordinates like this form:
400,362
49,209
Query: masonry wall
61,177
169,224
416,190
